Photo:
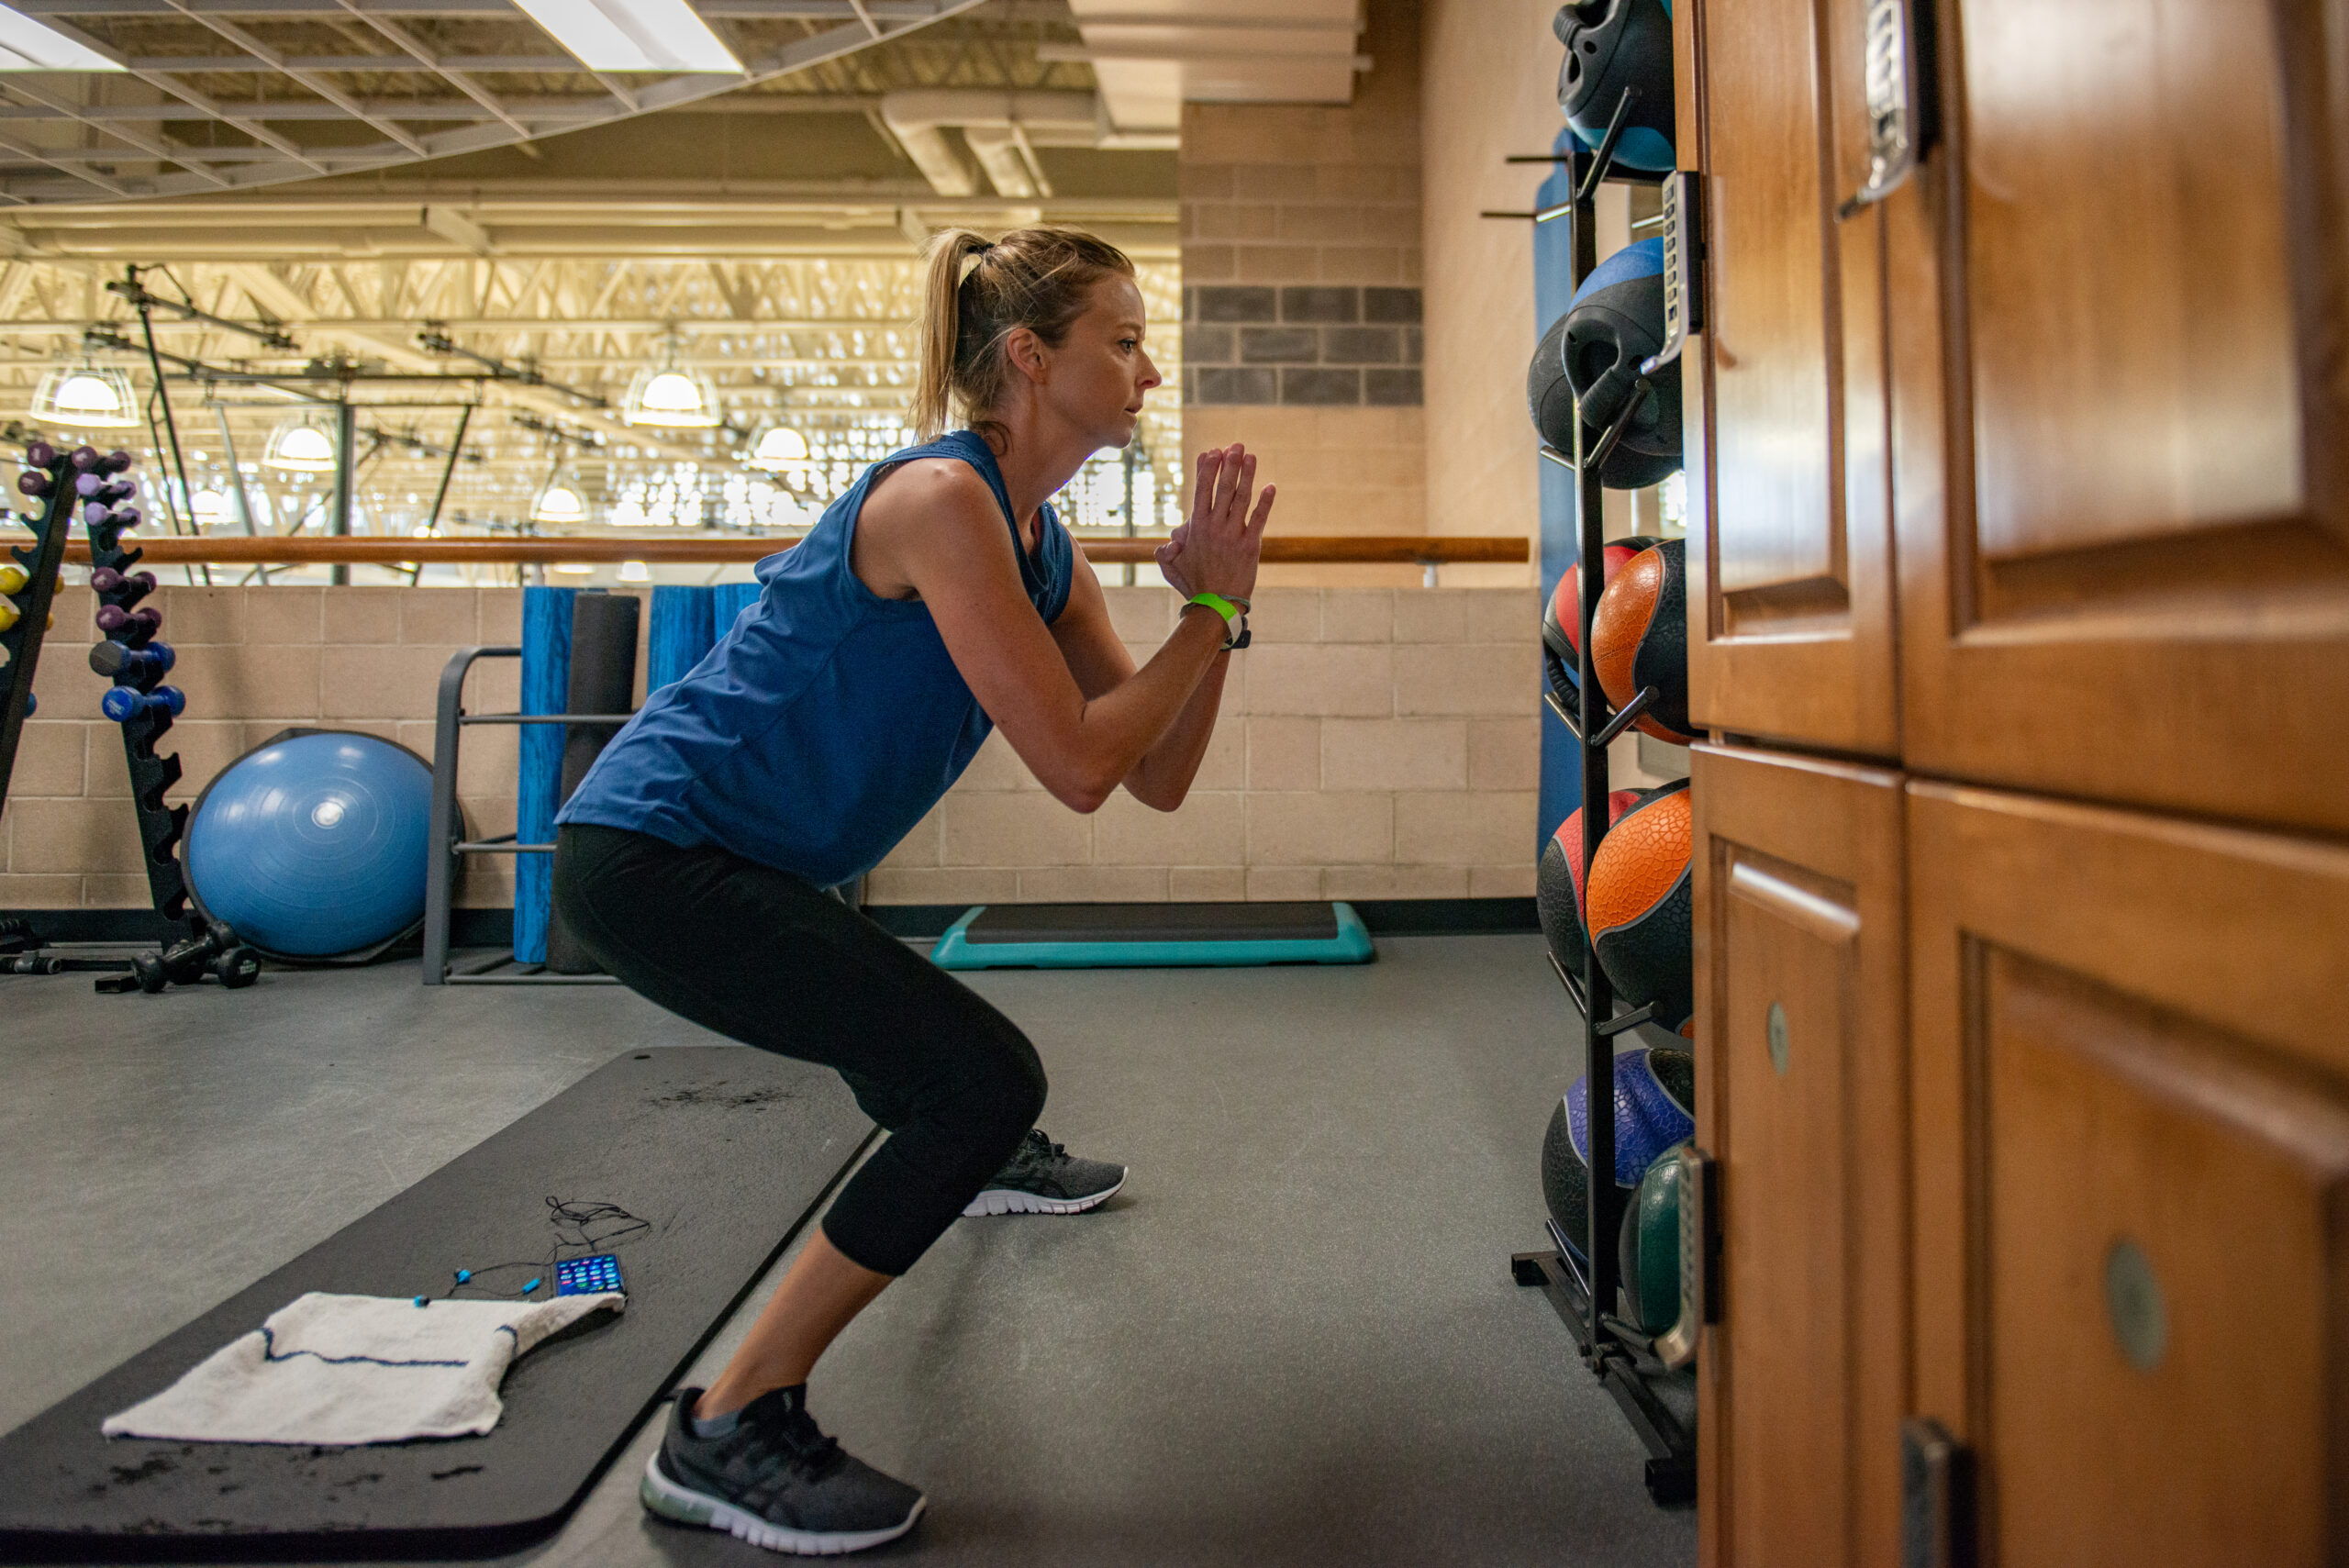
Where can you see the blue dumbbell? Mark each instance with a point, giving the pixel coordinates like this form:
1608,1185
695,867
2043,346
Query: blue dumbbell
32,704
123,704
132,666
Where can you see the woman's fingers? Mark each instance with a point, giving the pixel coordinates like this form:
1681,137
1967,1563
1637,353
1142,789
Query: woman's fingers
1210,467
1263,512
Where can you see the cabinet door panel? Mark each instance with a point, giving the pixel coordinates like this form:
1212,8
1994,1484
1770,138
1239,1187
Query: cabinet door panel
2116,307
2132,1144
1799,954
1791,585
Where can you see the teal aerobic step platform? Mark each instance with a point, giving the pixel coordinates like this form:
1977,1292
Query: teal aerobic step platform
1143,936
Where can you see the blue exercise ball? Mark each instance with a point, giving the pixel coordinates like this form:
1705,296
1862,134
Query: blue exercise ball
313,845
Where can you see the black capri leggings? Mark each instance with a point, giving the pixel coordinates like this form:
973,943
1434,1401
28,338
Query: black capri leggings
761,956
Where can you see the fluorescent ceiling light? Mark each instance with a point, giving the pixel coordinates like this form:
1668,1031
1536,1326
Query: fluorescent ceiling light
633,35
27,45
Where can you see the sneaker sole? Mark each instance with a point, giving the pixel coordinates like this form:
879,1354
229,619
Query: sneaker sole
682,1504
1009,1200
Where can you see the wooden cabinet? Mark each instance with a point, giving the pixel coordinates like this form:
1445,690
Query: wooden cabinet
1790,565
2117,308
2131,1154
2024,1066
1801,947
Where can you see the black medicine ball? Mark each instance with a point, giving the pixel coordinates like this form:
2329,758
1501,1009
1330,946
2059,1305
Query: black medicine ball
1611,45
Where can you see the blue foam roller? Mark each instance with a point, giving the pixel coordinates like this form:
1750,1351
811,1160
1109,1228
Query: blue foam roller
683,630
313,846
732,599
546,687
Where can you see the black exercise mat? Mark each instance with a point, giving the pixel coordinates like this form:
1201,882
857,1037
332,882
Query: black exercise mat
724,1150
1152,923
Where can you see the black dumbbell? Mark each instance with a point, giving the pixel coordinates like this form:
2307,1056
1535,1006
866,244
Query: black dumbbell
235,969
216,951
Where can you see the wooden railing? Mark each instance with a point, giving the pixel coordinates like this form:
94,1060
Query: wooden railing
236,550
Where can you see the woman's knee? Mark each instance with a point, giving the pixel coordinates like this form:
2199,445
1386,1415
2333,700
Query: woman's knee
999,1089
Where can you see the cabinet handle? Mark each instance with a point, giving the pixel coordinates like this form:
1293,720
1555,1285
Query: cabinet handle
1936,1497
1684,250
1700,1250
1902,108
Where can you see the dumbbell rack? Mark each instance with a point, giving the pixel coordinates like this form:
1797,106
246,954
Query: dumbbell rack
136,661
1626,1362
28,605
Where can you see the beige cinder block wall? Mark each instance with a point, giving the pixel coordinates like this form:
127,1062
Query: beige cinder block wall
1302,304
1374,744
1489,90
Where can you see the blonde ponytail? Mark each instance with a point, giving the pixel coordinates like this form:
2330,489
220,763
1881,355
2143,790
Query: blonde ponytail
1036,278
934,393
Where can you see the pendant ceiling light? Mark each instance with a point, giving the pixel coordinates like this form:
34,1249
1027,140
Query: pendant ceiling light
780,449
210,508
559,502
671,396
86,396
301,445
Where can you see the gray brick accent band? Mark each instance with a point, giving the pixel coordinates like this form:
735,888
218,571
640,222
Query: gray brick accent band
1311,345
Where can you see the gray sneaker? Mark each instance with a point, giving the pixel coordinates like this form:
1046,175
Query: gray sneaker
775,1481
1042,1177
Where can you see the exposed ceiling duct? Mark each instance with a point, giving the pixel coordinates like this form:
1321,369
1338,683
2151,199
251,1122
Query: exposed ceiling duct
1003,131
1151,57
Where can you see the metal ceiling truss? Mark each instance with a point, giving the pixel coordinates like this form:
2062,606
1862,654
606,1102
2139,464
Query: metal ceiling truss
543,352
219,94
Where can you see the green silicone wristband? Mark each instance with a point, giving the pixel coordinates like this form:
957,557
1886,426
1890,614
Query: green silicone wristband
1219,604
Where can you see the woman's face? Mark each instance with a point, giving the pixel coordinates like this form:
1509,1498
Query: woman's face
1098,376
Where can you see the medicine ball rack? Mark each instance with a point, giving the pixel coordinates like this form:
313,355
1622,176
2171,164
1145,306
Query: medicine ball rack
1626,1362
448,841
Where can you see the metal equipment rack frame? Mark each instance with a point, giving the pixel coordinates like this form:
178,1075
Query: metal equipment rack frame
449,844
1625,1362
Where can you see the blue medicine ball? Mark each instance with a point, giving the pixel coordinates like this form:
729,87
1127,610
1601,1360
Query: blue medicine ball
1655,1102
1614,325
1611,45
313,845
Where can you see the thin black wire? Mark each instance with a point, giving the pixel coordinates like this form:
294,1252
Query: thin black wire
583,1229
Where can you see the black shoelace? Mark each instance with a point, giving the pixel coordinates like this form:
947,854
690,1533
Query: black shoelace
800,1443
1039,1149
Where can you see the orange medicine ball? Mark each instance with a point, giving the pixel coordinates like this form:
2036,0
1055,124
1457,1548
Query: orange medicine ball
1640,637
1641,906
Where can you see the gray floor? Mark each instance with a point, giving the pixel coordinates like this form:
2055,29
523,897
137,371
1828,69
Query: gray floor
1292,1339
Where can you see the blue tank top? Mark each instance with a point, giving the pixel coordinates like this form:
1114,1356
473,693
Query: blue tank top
822,726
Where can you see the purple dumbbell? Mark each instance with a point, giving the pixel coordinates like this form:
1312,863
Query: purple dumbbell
41,454
87,458
100,487
132,588
133,626
35,483
118,460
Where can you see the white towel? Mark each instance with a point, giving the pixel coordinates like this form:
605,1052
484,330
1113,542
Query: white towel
357,1369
